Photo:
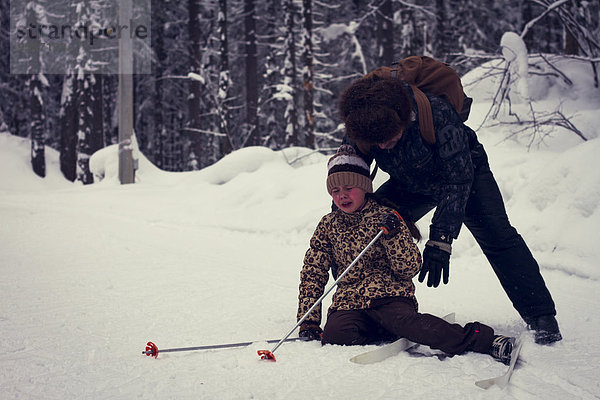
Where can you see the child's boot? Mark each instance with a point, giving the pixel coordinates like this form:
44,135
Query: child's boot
502,347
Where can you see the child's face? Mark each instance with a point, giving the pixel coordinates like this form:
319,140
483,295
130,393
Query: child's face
348,198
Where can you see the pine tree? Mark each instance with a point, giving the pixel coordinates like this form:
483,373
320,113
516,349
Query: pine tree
270,105
289,87
68,128
35,15
158,46
251,133
89,132
225,145
308,74
441,44
385,33
194,110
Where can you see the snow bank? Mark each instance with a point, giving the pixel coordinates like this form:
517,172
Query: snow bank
565,196
104,165
15,167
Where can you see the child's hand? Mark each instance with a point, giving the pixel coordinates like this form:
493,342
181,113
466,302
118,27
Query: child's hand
391,224
310,331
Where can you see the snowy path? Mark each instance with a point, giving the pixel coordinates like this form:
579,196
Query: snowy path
88,279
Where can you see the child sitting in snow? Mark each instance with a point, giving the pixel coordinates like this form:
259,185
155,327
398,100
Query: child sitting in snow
375,301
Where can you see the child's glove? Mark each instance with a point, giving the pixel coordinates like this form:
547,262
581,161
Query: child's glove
391,223
436,263
310,331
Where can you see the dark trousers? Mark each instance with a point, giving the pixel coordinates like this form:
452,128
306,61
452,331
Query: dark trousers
485,216
396,317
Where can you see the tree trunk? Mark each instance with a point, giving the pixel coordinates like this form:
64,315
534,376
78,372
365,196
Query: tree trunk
195,87
570,43
110,84
68,128
270,108
90,133
385,33
225,145
97,124
308,76
84,128
407,36
253,138
291,114
440,48
36,110
158,46
527,15
38,157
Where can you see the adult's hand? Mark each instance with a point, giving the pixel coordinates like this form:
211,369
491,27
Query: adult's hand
436,263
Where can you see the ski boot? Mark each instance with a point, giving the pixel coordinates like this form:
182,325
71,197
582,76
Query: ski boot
502,347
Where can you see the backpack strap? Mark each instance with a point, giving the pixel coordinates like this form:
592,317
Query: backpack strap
425,114
364,149
374,172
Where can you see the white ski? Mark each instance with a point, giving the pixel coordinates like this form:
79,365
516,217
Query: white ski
389,350
502,380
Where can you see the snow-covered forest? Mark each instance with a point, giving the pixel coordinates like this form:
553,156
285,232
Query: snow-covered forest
222,75
234,123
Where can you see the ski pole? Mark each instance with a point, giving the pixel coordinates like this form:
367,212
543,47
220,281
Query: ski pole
152,349
268,355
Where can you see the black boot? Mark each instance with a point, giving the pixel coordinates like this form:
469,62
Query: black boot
545,327
502,348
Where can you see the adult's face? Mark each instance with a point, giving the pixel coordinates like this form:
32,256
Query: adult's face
390,143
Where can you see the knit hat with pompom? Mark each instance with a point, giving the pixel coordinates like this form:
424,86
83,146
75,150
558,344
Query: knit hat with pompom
346,168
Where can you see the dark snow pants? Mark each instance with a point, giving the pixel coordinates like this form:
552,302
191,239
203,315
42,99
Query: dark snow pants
505,249
394,317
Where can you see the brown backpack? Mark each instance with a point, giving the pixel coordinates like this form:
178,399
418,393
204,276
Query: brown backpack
425,74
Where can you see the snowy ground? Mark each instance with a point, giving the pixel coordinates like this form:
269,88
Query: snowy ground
89,274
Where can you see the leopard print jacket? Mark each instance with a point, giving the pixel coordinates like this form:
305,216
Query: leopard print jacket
385,270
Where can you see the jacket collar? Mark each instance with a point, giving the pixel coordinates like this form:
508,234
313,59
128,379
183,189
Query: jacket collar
355,217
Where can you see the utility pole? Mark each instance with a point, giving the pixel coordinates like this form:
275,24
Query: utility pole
125,102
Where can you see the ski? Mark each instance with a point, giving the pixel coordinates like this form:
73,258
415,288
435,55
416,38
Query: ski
390,349
502,380
383,352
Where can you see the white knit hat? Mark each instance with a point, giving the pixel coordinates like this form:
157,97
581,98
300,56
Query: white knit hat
346,168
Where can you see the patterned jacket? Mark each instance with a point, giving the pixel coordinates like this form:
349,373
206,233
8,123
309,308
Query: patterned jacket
443,171
385,270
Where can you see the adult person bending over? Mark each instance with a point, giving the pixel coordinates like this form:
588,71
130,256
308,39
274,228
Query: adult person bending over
454,177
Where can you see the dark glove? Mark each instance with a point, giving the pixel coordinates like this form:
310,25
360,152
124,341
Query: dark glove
391,223
436,262
310,331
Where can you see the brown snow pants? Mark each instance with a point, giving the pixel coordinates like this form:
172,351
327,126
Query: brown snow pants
395,317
